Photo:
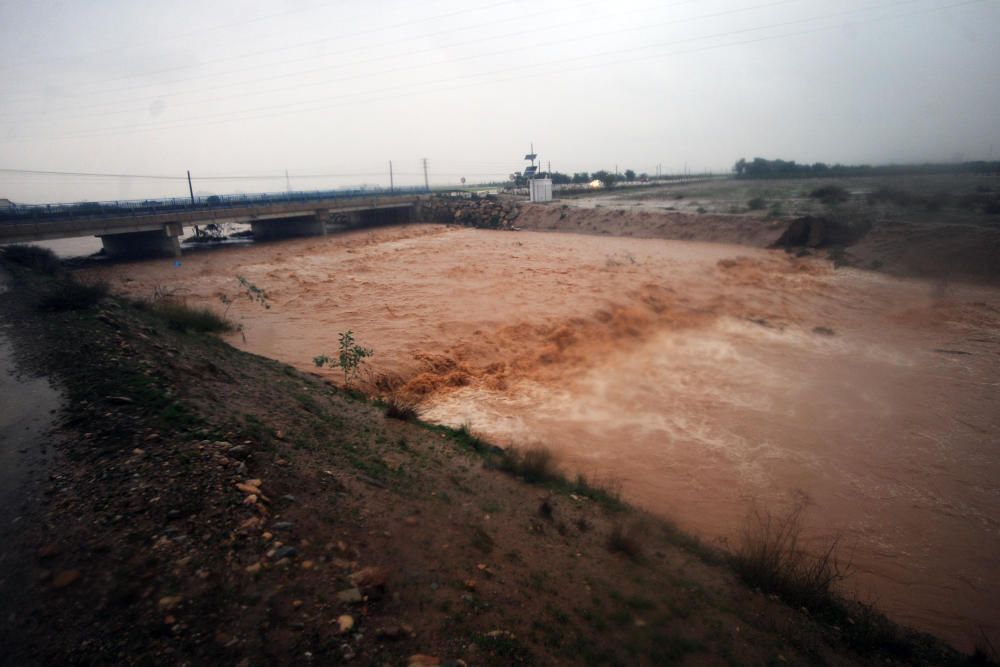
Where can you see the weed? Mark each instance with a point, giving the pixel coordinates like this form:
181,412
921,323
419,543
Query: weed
247,290
625,540
481,540
398,407
546,507
756,204
769,558
33,257
349,359
534,464
180,317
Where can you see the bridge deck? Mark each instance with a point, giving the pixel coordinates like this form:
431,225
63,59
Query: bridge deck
39,225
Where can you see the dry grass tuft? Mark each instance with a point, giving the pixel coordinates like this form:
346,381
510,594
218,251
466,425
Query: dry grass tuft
769,558
624,539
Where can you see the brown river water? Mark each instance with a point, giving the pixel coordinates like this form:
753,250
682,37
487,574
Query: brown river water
704,379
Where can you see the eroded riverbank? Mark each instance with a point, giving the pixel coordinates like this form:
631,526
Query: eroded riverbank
702,377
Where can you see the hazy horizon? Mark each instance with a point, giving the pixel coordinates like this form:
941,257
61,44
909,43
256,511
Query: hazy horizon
331,92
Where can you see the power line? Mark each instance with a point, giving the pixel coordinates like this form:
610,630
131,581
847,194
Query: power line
90,174
236,177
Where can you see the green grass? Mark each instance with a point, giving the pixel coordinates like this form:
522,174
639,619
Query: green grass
180,317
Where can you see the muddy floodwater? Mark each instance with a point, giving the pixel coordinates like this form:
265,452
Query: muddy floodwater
704,379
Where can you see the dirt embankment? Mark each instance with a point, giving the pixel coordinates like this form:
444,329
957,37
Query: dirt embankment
214,507
935,249
643,223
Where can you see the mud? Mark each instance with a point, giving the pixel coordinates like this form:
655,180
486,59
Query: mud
702,378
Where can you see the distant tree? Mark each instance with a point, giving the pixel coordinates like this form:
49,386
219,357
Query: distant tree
581,177
740,167
560,179
606,178
629,175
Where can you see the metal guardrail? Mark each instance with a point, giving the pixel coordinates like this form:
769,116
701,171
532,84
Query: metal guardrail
27,212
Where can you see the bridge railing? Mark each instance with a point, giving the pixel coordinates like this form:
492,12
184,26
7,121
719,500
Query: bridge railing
135,207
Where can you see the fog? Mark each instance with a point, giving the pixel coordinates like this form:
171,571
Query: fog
331,92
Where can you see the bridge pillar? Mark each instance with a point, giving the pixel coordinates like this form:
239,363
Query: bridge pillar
280,228
156,243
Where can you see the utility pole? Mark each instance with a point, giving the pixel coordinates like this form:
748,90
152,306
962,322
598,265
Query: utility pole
190,188
550,168
427,183
390,177
288,182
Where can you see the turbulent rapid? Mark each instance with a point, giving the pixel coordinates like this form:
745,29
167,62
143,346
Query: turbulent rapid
705,380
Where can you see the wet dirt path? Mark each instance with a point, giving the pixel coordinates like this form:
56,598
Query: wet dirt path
705,379
27,415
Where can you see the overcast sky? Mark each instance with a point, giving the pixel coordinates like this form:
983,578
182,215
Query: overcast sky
331,90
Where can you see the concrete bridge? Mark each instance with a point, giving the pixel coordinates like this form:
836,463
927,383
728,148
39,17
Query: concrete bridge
153,227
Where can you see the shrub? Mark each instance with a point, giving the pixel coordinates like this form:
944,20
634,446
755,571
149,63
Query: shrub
33,257
180,317
398,407
625,540
769,558
893,196
349,359
535,464
756,204
71,294
830,194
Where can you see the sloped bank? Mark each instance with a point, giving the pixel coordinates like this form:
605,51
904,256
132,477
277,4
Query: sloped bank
214,507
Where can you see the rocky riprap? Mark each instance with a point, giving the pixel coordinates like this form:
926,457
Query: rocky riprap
489,212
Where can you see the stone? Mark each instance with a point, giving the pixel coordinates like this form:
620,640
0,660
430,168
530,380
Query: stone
65,578
372,576
252,569
169,602
345,622
286,552
350,596
389,632
48,551
239,452
281,525
421,660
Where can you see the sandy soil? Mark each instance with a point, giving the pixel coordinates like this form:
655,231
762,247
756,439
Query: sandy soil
704,378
